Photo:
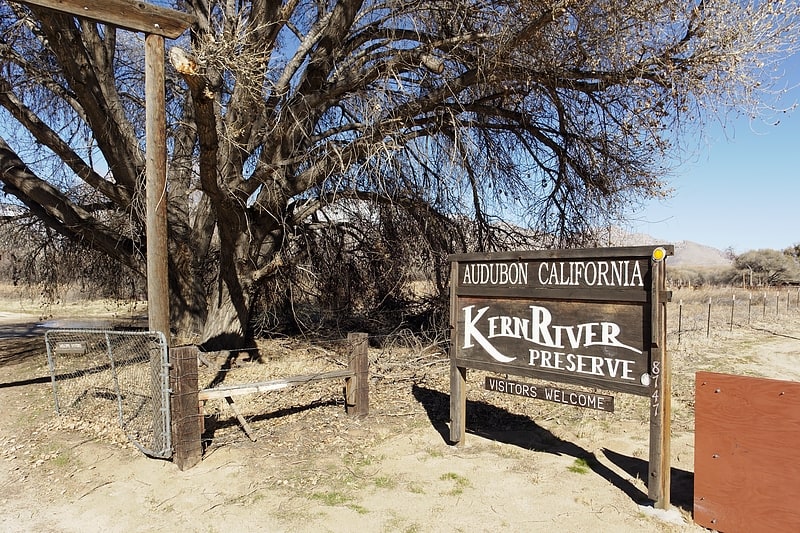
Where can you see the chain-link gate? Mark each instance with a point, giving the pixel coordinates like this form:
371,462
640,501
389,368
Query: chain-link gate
114,374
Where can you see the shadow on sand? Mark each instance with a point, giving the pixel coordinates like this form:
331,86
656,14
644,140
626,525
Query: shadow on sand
494,423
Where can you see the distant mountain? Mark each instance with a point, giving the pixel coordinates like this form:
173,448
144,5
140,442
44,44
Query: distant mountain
687,253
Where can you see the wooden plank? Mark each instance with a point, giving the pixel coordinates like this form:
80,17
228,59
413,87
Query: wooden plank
596,344
499,368
230,391
187,422
616,252
747,462
134,16
245,426
584,399
538,293
357,386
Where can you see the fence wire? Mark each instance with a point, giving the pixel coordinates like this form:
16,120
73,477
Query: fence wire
107,375
705,313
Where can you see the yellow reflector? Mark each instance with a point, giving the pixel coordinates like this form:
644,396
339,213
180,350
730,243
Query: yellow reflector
659,254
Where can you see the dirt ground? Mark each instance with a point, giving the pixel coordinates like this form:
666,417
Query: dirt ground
526,465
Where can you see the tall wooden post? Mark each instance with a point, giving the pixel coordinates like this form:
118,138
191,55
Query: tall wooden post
458,375
156,184
157,23
660,470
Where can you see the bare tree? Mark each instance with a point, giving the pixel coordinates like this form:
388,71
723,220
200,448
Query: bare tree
535,119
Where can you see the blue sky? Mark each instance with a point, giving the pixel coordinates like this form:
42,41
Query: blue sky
740,190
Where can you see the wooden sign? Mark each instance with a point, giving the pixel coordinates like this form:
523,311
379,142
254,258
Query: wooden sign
593,317
586,343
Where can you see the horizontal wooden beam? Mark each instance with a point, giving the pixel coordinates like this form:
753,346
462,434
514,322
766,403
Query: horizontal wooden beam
266,386
134,16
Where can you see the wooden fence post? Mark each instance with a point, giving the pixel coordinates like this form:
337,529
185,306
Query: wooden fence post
187,421
357,386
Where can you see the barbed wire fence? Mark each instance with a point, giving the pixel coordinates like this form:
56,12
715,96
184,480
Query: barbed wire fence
710,312
107,375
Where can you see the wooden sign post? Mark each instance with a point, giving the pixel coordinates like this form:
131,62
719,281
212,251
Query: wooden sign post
593,318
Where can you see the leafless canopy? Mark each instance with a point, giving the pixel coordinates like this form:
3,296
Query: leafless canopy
536,121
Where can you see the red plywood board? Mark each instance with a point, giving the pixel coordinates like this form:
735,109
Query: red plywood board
747,453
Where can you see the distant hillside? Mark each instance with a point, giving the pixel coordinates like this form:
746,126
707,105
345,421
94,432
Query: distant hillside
687,253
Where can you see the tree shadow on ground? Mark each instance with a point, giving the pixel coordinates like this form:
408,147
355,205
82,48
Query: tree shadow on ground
491,422
213,423
20,348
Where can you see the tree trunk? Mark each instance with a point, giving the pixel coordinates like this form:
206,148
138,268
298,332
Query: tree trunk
226,322
224,327
229,303
188,306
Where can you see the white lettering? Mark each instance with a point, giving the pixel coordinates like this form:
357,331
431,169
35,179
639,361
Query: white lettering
502,274
591,365
557,346
620,273
471,332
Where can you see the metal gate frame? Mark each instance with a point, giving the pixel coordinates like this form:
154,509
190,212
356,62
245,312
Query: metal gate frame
84,343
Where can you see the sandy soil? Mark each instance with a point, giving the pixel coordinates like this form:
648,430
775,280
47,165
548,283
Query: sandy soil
526,465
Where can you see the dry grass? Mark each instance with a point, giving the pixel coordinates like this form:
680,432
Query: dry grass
72,303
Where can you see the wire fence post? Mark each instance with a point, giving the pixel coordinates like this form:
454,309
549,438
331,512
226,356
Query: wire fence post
708,324
733,305
680,319
187,421
749,307
357,386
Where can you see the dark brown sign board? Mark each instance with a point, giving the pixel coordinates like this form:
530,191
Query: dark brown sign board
589,317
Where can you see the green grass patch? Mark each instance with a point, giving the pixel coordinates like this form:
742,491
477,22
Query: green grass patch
580,466
331,498
336,498
459,483
416,488
383,482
